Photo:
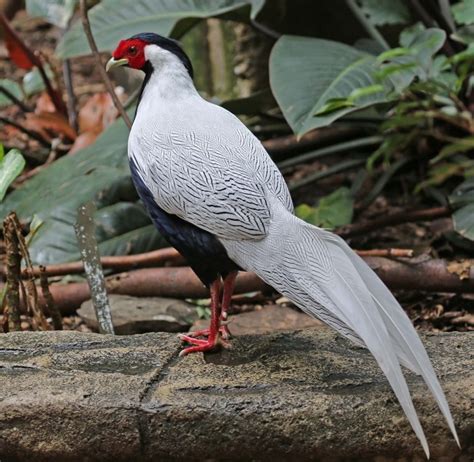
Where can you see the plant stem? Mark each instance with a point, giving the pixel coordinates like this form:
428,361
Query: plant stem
108,83
373,32
34,135
328,150
15,100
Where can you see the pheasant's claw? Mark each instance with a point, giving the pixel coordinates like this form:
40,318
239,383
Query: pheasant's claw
206,346
223,329
191,340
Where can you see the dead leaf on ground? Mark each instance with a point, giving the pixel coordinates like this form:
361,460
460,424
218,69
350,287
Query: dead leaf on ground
461,268
97,114
50,125
44,104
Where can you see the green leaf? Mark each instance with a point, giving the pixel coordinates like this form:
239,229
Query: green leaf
11,166
463,194
33,82
332,211
13,88
463,12
307,73
463,221
99,173
386,12
114,20
57,12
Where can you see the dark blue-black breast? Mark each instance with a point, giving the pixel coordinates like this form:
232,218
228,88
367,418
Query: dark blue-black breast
203,251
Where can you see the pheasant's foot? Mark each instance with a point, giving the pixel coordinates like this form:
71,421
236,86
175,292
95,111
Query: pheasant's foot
223,330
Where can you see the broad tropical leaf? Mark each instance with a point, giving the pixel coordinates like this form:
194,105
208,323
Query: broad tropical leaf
113,20
463,12
57,12
100,173
386,12
308,73
332,211
13,88
11,166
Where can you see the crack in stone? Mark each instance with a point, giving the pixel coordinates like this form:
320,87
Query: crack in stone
145,396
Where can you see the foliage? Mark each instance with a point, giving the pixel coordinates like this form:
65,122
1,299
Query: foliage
11,165
386,12
421,87
57,12
99,172
332,211
110,25
313,78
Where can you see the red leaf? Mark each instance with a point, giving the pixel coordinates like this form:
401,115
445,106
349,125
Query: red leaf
97,114
49,122
18,52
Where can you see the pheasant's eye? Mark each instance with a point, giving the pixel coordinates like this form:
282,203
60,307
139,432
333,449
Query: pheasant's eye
132,50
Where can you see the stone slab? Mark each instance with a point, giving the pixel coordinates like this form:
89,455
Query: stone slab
302,396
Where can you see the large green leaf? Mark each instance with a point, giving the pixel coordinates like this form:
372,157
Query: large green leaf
100,173
386,12
306,73
113,20
57,12
11,166
462,198
463,12
332,211
13,88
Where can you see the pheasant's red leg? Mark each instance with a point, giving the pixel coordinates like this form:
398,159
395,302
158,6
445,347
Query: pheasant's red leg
214,334
229,285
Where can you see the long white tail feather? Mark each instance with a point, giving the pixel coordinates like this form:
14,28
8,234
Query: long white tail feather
407,343
321,274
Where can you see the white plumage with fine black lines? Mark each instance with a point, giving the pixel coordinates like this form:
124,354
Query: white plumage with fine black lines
215,194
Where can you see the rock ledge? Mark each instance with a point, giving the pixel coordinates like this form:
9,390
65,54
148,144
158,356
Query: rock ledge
302,396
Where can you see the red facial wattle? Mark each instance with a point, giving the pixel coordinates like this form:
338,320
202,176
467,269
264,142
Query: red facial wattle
133,50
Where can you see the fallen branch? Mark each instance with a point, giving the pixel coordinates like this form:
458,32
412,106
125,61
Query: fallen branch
181,282
405,216
178,282
108,83
165,257
388,253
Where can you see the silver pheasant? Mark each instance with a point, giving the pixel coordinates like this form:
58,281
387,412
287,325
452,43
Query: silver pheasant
214,193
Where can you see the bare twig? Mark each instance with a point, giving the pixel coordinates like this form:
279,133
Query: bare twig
265,29
50,306
14,99
34,308
389,253
103,73
71,97
13,262
405,216
34,135
166,256
285,146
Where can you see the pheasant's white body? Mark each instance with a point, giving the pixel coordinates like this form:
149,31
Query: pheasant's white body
203,165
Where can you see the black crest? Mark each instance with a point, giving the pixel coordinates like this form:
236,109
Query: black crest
169,45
